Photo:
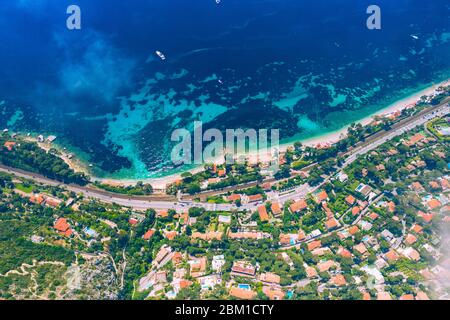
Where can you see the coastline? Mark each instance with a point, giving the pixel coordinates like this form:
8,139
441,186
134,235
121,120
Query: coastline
325,139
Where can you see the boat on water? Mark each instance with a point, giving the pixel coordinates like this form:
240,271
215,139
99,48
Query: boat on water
414,37
160,54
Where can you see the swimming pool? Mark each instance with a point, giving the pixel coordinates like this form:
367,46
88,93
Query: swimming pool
244,286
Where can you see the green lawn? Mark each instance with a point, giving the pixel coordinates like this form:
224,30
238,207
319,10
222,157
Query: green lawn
26,189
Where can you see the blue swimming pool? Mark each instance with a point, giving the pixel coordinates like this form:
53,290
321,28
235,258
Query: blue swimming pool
244,286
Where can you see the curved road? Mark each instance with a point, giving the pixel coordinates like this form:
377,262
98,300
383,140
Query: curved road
162,202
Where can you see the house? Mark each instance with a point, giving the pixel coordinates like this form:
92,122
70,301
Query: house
243,294
363,189
136,218
170,235
234,197
163,256
263,216
218,262
9,145
177,258
254,198
52,202
243,268
353,230
383,295
273,293
37,199
311,272
355,211
162,214
434,204
427,217
386,234
198,267
109,223
391,256
326,265
248,235
361,248
321,251
63,227
373,216
90,232
270,278
288,239
298,206
211,235
314,244
350,200
321,196
417,186
411,253
338,280
434,185
153,278
417,228
276,209
344,252
36,239
149,234
209,282
327,210
179,284
414,139
331,224
422,296
410,239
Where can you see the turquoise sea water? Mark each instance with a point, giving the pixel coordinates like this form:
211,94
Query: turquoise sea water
304,67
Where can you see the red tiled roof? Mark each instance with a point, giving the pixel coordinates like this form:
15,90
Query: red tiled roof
242,293
276,209
322,196
263,216
234,197
417,228
392,255
149,234
427,217
331,223
338,280
38,199
256,197
353,230
350,199
434,203
410,239
314,244
298,205
355,210
9,145
61,225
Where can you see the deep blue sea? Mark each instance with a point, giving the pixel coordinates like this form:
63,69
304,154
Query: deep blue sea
305,67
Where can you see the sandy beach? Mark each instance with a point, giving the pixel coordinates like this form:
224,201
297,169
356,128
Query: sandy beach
328,138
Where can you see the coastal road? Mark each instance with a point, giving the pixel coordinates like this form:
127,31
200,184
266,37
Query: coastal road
162,202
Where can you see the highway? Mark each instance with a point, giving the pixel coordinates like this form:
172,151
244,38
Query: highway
162,202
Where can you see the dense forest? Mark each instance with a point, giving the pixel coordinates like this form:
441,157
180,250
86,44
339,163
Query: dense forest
30,157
